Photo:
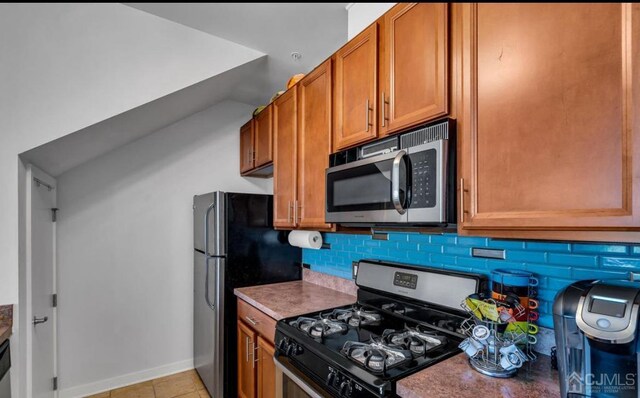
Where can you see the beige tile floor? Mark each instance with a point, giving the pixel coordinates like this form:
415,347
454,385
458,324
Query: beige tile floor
184,385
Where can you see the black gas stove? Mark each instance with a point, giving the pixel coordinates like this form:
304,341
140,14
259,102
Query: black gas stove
405,319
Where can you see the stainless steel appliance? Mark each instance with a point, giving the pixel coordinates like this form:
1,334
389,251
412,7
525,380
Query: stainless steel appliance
406,179
5,365
235,245
405,319
597,335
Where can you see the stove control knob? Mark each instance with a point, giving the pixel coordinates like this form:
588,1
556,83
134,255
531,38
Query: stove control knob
345,388
283,345
292,349
332,377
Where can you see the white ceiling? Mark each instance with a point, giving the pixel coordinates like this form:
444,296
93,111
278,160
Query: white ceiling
314,29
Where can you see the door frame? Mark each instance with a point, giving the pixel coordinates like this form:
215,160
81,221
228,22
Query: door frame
25,310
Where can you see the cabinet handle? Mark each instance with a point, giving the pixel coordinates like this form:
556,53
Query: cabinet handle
366,117
299,214
289,212
253,355
256,355
295,212
383,104
246,349
462,191
251,320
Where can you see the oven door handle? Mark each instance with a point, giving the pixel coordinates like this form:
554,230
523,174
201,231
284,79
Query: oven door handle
299,382
395,182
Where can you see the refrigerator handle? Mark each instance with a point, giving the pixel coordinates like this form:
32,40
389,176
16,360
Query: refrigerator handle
206,228
206,287
206,252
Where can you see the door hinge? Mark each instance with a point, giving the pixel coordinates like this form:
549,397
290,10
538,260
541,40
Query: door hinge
55,383
54,214
54,300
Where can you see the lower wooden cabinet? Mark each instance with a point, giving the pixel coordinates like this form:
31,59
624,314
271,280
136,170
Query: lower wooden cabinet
256,369
246,363
266,385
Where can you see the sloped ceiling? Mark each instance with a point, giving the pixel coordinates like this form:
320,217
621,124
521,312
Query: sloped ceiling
65,153
265,33
315,30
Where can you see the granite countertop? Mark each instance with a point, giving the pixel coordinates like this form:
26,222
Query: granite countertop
454,377
6,321
287,299
5,333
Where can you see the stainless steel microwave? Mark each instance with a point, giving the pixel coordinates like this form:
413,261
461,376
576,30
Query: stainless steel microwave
407,179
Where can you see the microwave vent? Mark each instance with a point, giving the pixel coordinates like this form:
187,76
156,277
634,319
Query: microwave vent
421,136
379,147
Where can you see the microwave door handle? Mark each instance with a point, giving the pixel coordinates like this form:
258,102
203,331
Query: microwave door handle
395,182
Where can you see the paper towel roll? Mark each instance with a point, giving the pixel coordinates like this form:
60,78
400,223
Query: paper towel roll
305,239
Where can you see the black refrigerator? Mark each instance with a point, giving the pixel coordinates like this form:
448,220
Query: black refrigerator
235,245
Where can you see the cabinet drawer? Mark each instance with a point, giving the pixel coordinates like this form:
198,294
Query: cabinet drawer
258,320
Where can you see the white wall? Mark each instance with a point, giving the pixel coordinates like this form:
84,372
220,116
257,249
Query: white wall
125,248
361,15
64,67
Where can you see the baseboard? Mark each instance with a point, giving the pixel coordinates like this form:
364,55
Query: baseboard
125,380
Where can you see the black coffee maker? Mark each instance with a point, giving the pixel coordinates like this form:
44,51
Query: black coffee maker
597,335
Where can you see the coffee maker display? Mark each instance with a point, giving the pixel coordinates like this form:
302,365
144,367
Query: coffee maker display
597,335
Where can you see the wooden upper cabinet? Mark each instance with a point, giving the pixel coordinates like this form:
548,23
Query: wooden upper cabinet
356,90
314,146
263,140
549,120
246,364
246,147
285,132
266,369
413,67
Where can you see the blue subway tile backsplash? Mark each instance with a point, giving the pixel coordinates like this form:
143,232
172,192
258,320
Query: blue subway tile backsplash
555,264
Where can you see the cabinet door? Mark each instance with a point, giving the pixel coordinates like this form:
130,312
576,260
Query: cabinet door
356,90
246,363
266,369
550,96
263,141
285,131
246,147
314,146
414,68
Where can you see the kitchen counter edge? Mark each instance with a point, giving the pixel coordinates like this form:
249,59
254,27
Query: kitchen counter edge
454,377
287,299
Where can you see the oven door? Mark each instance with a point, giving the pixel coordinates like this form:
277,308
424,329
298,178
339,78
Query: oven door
291,383
373,190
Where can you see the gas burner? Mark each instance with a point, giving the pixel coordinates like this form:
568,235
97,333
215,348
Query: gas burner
418,340
319,327
449,324
375,356
339,315
356,316
396,308
364,317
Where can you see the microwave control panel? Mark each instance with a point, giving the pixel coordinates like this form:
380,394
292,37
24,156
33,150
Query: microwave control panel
424,172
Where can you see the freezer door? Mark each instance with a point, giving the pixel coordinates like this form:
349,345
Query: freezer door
208,223
208,307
